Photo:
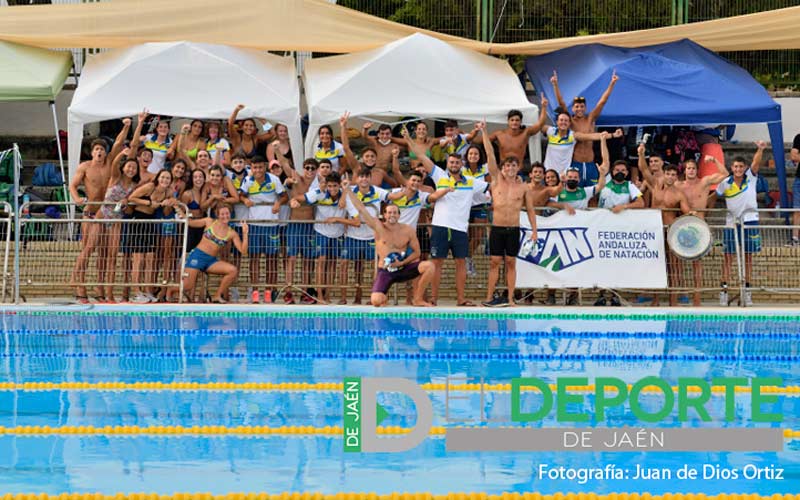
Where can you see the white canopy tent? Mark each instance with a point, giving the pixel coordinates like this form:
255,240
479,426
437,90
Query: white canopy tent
414,76
184,79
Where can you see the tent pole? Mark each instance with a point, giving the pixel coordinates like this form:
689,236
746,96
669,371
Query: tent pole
17,221
60,153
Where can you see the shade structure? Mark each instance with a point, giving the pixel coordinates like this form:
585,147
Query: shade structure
416,76
31,73
677,83
310,25
185,79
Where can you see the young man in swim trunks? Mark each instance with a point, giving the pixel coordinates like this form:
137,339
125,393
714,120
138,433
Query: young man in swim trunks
696,191
509,195
665,195
392,242
513,140
382,144
93,175
583,154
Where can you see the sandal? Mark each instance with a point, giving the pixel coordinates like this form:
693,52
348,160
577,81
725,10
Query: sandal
466,303
82,299
219,301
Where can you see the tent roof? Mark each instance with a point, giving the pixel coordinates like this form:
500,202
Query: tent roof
316,25
769,30
443,81
310,25
182,79
31,73
676,83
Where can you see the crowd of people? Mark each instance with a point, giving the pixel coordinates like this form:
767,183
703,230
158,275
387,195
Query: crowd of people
245,199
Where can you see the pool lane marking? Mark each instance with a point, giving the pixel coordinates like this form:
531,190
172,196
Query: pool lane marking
716,390
222,430
398,496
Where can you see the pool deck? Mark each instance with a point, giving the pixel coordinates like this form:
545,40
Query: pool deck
574,312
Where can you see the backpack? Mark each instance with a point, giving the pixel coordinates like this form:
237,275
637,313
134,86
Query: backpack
7,166
47,175
6,192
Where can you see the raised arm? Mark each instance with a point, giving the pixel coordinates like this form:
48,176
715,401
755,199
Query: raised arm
755,165
241,243
363,213
365,135
236,138
120,140
643,168
602,169
595,113
396,173
137,134
538,126
349,157
190,164
491,161
559,98
418,150
718,176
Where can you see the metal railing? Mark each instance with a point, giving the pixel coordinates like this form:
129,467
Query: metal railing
294,263
54,252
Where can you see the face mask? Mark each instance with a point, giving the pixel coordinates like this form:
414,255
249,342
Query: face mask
619,176
385,143
572,184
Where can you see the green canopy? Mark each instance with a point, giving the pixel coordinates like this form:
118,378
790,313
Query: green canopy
30,73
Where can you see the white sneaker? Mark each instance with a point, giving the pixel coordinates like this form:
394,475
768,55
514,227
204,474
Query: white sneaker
140,298
150,297
723,298
748,297
471,272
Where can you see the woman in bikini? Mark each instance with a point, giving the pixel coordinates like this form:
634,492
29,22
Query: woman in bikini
203,259
120,186
152,201
246,140
282,144
421,138
190,142
191,198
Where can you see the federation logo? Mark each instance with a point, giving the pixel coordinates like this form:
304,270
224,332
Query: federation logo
559,248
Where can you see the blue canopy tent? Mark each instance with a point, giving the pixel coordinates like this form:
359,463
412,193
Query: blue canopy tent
677,83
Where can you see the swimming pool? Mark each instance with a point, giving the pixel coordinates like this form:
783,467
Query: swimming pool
170,401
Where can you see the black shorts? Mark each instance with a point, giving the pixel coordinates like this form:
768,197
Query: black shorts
504,241
385,279
142,237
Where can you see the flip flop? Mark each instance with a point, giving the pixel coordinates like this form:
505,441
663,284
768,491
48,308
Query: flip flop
466,303
82,299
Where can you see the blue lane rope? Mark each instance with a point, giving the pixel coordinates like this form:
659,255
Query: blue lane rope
412,333
428,356
795,317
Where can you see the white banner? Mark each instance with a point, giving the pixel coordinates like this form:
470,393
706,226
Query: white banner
596,248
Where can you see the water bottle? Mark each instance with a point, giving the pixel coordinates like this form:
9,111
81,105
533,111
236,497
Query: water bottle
25,208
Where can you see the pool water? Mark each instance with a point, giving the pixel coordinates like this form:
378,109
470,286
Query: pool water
240,348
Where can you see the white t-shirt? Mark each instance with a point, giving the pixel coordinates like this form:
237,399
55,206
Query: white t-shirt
326,207
578,199
452,209
372,200
333,154
559,150
614,194
410,209
267,192
239,209
742,202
